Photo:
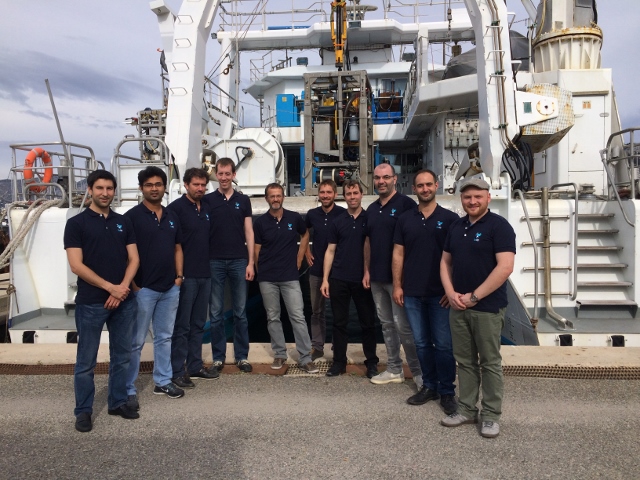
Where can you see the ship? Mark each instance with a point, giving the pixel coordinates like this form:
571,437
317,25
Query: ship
342,87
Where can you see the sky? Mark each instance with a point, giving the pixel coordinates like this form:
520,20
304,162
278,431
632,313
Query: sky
103,67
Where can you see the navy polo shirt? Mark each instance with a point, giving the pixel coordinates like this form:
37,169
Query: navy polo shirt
348,234
278,258
156,242
381,226
227,240
104,250
195,227
423,239
321,222
473,251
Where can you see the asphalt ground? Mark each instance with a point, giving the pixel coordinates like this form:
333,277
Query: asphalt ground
257,426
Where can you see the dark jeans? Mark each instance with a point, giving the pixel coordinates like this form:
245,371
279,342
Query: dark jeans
341,293
186,342
235,271
432,336
90,320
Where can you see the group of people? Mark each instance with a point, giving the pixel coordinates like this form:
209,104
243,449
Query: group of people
437,283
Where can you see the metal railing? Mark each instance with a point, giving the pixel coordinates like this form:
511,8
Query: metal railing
629,156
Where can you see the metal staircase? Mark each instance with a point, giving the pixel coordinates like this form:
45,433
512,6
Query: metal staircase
602,281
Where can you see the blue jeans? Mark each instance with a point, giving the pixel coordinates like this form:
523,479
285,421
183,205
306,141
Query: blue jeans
235,271
89,322
160,307
292,296
432,335
186,342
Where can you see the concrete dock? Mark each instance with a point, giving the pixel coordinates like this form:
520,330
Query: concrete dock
257,426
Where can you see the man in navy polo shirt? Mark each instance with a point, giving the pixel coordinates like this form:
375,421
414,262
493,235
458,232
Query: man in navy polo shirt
102,252
186,342
477,260
417,250
342,280
382,216
157,283
278,259
230,257
319,221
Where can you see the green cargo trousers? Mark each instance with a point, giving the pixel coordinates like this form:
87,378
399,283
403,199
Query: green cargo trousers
476,348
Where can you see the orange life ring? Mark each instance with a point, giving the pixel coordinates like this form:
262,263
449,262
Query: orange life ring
29,161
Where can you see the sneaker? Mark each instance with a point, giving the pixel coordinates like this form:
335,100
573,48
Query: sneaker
457,419
217,365
387,377
372,370
245,366
490,429
183,382
278,363
449,404
309,368
423,396
336,369
207,374
124,412
316,354
83,422
132,403
170,390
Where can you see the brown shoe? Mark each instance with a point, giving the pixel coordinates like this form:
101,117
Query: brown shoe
278,363
309,368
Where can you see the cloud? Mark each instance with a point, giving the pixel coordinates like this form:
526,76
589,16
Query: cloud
68,79
36,113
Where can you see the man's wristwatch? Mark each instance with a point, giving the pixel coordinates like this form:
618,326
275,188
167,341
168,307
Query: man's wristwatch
474,299
181,277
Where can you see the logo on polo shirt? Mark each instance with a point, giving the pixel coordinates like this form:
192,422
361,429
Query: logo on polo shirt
393,212
171,223
207,215
478,235
119,227
290,226
439,225
237,206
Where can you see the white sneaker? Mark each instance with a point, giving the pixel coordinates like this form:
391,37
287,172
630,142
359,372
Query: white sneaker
490,429
388,377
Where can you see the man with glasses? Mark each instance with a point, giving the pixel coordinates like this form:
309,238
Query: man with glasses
382,216
157,283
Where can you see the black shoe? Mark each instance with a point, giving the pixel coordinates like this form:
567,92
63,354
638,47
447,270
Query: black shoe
124,412
336,369
207,374
170,390
245,366
83,422
372,370
132,403
423,396
183,382
316,353
449,404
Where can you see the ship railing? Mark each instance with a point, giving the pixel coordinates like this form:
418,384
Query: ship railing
71,164
233,19
418,9
216,98
126,167
626,160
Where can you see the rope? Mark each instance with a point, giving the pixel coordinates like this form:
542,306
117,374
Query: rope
34,211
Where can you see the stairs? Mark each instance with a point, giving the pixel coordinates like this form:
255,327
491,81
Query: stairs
604,289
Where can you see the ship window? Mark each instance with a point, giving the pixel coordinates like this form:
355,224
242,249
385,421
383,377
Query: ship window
527,107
